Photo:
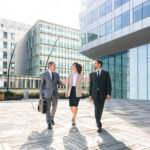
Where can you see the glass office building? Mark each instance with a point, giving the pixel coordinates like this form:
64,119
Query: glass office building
41,38
118,32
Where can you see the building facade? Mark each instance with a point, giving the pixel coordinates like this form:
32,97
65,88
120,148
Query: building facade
41,38
11,32
118,32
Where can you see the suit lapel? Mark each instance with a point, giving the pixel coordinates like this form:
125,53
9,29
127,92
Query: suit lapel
95,76
101,75
78,76
71,78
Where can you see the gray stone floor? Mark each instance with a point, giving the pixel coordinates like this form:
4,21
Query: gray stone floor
126,125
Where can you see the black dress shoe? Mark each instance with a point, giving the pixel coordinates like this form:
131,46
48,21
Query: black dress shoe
73,124
49,126
99,130
53,123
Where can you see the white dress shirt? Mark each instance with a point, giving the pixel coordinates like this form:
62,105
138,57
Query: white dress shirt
50,73
99,72
74,79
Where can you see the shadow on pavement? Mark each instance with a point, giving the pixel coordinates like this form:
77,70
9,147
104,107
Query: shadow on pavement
39,141
110,143
75,140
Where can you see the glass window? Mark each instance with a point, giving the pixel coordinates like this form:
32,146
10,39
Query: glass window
108,27
12,55
12,46
125,20
12,65
102,30
5,35
117,3
92,16
4,44
137,13
4,64
4,54
108,6
118,23
124,1
92,35
12,36
4,73
83,22
83,39
146,9
95,15
102,10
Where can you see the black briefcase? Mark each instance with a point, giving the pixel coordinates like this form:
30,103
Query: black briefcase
42,106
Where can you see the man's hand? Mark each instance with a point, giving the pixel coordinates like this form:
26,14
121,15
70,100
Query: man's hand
66,94
41,97
90,98
108,97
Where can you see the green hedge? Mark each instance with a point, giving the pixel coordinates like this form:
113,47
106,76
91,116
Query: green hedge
1,92
9,93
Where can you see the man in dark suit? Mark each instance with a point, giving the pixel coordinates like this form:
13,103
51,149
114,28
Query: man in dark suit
49,91
99,90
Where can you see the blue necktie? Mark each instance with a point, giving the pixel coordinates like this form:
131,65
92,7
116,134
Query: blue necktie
98,73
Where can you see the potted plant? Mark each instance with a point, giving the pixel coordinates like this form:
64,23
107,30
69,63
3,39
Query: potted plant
1,95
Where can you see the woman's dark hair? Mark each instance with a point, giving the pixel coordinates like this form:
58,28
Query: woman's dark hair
78,66
99,62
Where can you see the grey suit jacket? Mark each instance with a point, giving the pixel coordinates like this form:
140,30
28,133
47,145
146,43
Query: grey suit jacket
48,86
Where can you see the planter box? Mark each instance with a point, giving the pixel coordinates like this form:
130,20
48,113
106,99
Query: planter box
13,97
1,96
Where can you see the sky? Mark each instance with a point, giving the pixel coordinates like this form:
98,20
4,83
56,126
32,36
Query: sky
63,12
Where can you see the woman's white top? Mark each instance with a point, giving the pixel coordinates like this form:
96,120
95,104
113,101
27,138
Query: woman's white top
74,79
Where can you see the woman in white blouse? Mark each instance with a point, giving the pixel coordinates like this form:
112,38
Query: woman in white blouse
73,89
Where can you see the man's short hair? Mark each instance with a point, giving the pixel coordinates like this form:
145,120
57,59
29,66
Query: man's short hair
50,63
99,62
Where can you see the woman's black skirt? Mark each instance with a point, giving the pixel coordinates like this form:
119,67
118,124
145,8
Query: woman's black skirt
73,100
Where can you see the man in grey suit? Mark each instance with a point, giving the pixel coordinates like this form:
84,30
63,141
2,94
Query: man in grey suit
49,91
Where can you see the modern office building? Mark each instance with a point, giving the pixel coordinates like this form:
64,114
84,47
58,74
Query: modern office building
34,44
118,32
11,32
41,38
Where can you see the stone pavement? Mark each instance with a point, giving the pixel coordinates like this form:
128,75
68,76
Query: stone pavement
126,125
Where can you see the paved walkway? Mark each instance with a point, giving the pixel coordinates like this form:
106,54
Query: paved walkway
126,125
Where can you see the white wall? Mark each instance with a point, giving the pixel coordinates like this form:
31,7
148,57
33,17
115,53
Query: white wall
140,72
21,57
133,73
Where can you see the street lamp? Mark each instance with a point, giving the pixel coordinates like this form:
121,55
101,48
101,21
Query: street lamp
9,66
51,52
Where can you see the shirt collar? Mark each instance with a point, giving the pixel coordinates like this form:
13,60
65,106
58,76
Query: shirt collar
49,71
99,70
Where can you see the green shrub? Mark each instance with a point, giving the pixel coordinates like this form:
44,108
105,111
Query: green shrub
9,93
19,94
62,94
35,94
1,92
85,94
